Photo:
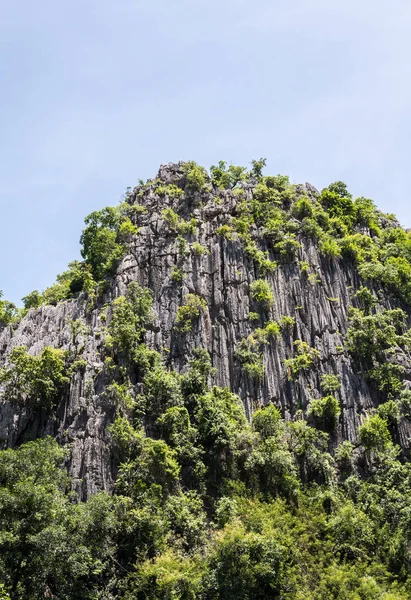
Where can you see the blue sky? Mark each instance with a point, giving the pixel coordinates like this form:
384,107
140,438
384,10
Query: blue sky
96,94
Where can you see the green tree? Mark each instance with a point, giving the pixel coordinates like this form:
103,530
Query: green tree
155,465
35,381
374,434
130,316
257,167
247,566
9,313
338,202
50,546
325,411
227,177
220,420
32,300
103,240
267,421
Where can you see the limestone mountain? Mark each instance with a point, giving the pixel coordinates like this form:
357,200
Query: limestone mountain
228,338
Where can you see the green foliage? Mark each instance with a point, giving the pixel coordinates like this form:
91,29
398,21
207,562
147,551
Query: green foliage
325,411
314,278
344,457
330,247
104,242
172,218
32,300
303,361
227,177
390,412
156,466
266,421
187,517
195,177
302,208
176,428
182,246
287,322
179,225
249,350
366,214
225,231
366,299
50,546
330,383
137,209
188,227
127,440
78,330
250,357
404,401
36,382
257,167
276,213
287,246
374,434
338,202
261,293
76,279
199,250
272,330
9,313
191,309
261,258
220,419
194,381
130,316
377,341
177,275
264,197
394,272
168,577
262,210
104,238
171,190
371,335
247,565
267,531
162,390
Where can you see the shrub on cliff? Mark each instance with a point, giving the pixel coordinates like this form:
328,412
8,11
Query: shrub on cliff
9,312
103,239
191,309
262,293
34,381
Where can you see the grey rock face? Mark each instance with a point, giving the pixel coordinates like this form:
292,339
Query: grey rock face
319,302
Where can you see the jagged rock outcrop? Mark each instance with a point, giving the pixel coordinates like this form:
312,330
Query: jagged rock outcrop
319,302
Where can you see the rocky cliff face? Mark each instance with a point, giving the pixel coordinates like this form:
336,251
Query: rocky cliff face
219,269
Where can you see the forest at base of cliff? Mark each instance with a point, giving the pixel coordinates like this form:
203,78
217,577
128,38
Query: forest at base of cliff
206,503
222,510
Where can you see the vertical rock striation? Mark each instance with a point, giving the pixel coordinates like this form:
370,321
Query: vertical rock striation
219,270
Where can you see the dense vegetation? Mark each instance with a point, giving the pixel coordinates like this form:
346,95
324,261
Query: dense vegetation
208,505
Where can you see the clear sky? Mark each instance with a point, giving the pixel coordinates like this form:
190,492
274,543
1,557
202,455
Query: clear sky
98,93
